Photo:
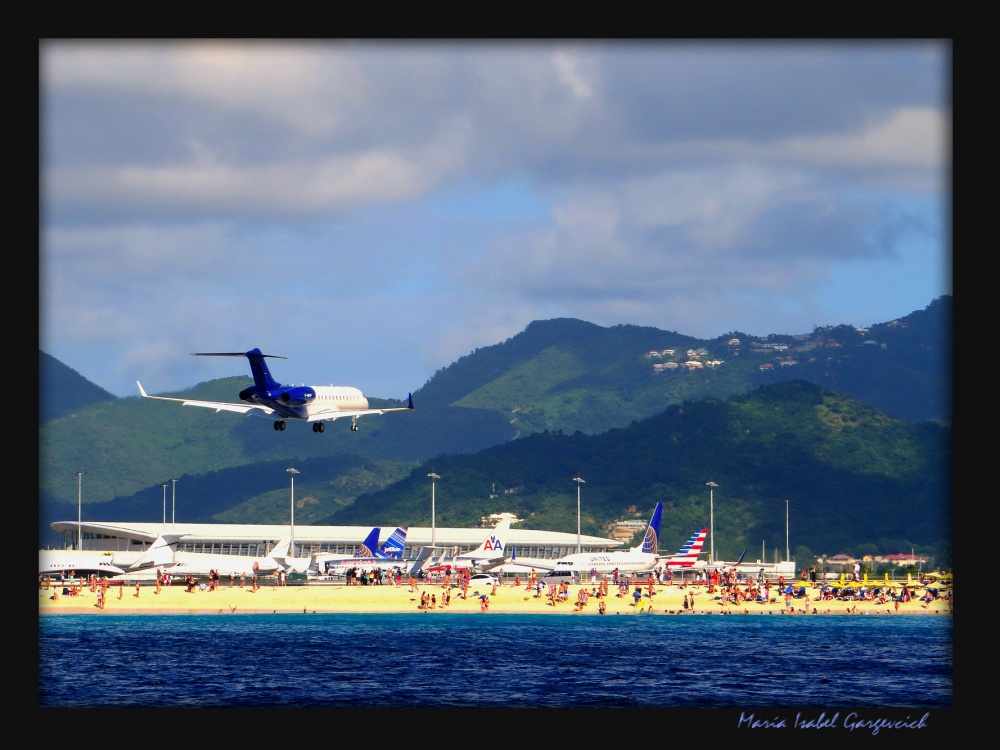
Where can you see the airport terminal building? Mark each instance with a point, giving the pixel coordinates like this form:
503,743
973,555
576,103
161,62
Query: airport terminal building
257,540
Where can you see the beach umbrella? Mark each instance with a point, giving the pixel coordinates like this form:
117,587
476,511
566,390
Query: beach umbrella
887,576
866,576
933,575
936,586
841,579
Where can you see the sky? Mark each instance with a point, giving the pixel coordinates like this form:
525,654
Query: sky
373,211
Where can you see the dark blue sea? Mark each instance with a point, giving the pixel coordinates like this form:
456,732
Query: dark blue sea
866,663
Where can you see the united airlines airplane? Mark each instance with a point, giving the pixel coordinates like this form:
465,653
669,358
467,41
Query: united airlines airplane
640,559
269,398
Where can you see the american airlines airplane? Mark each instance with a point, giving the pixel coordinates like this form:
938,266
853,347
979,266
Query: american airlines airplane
269,398
488,555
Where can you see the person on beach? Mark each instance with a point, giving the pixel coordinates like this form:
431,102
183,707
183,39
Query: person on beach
157,585
637,595
136,589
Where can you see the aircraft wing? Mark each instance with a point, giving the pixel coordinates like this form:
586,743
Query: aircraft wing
494,562
257,411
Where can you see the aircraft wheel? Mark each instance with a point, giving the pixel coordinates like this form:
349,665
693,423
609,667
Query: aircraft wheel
354,427
320,427
281,425
277,426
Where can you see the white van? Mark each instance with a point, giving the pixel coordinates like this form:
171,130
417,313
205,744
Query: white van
558,576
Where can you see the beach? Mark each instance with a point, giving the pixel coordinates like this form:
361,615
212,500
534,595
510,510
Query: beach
310,599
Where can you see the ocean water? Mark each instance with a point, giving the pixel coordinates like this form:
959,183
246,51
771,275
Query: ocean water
495,661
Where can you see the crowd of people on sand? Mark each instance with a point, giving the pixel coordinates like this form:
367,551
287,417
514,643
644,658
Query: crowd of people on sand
727,589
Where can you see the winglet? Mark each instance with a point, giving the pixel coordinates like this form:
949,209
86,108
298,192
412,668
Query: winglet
141,391
409,398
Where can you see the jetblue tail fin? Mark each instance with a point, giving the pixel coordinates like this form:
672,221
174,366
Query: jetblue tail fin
652,537
394,545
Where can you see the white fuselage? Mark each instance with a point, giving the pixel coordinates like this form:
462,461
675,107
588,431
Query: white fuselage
334,398
604,563
200,564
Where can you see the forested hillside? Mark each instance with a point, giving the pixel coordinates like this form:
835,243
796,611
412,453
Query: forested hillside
559,379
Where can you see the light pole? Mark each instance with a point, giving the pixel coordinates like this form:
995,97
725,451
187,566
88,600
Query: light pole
79,509
578,483
291,546
786,531
164,486
433,476
711,520
173,503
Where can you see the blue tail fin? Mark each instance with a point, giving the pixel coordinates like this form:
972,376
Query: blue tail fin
370,544
394,545
261,375
652,537
262,379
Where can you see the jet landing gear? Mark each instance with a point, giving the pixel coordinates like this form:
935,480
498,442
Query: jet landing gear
318,426
354,426
279,426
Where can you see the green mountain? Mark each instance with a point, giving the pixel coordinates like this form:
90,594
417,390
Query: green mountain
565,379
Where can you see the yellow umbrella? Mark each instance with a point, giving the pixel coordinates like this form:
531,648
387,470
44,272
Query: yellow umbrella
887,576
866,576
841,579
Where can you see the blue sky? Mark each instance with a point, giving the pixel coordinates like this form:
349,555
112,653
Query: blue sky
374,211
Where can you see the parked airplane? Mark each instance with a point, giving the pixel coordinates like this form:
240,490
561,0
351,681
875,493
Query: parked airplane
76,563
163,554
688,554
268,398
640,559
388,555
486,556
160,554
